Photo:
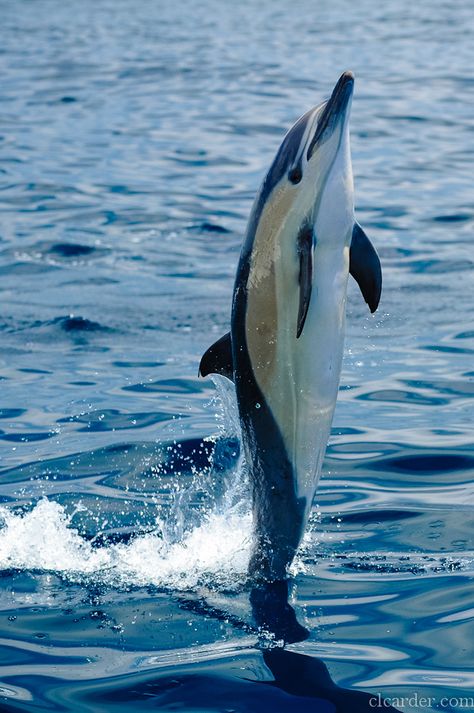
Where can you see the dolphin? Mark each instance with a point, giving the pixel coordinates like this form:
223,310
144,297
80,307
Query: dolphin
284,350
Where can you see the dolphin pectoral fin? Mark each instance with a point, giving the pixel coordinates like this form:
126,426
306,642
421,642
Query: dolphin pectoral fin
364,266
305,278
218,359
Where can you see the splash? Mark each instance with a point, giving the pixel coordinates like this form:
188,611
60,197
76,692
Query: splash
215,553
181,553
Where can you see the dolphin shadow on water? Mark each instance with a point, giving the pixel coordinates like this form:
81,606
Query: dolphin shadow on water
300,675
301,683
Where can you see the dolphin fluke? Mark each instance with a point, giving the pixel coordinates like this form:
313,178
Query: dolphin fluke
274,615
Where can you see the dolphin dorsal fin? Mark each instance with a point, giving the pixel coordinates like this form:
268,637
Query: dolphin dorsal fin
365,268
218,359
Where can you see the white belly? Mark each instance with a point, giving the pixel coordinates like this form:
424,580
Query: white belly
299,378
302,390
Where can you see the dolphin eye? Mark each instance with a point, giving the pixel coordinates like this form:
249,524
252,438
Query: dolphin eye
295,175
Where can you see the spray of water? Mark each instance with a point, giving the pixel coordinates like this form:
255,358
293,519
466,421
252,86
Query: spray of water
185,550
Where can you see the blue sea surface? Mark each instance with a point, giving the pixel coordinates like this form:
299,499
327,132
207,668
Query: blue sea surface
133,138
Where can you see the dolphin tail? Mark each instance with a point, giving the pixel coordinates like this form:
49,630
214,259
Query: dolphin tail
218,359
364,266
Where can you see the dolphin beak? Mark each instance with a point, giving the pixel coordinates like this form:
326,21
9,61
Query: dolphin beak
335,109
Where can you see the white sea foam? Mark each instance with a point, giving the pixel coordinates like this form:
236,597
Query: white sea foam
216,552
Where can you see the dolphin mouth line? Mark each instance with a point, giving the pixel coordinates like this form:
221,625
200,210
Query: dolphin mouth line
336,105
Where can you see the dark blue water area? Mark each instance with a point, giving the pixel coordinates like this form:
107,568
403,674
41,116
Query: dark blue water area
133,137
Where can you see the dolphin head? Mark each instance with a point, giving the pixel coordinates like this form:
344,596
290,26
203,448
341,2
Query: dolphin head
332,116
313,162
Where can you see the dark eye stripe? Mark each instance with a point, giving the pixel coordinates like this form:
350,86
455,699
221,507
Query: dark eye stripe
288,164
288,158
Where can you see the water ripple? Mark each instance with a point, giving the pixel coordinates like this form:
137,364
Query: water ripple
131,147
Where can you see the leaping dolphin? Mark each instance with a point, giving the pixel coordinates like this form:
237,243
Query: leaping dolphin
284,350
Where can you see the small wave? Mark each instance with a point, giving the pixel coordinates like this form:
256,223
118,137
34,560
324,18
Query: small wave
429,463
168,386
78,324
52,253
208,227
67,250
116,420
453,218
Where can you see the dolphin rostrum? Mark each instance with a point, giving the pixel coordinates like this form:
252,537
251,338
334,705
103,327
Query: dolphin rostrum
284,350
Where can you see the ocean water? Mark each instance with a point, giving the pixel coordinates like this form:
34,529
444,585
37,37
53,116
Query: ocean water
133,137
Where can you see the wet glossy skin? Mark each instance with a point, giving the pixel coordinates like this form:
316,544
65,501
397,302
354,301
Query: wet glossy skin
287,379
